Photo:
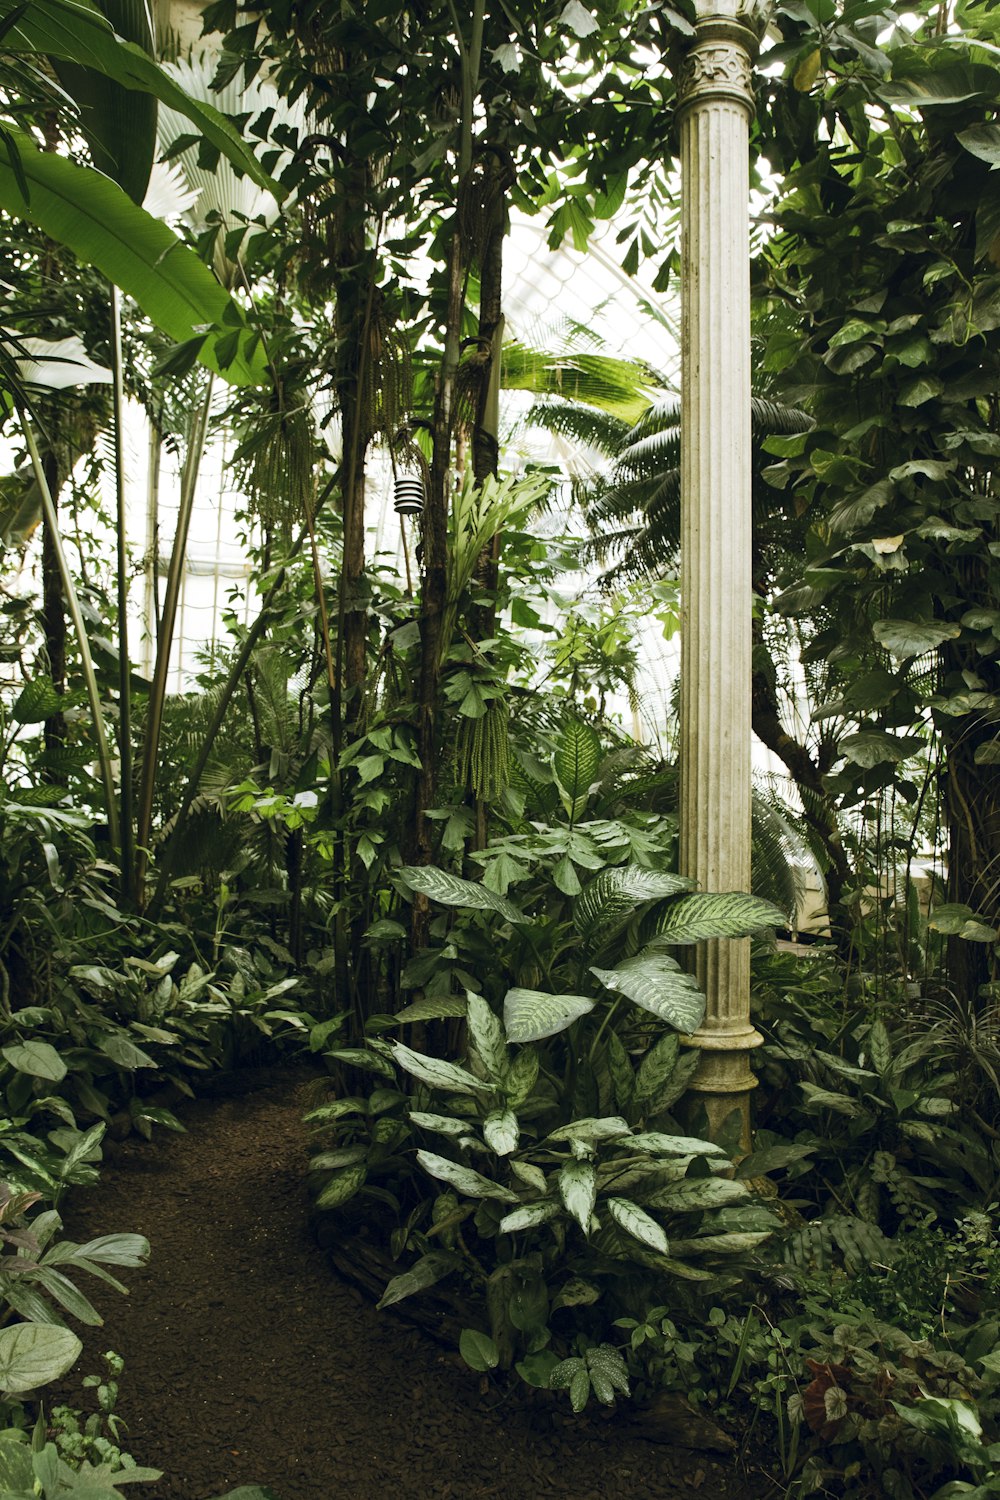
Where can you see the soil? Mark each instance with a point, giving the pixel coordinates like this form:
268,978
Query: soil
249,1362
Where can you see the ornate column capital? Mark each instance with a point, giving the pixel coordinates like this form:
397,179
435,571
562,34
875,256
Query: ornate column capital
719,62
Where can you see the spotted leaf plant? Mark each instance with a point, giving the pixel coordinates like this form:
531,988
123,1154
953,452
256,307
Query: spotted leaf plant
541,1164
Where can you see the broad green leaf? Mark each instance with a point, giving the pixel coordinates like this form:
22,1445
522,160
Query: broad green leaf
501,1131
620,1067
437,1073
655,1069
529,1015
880,1047
123,1053
531,1215
734,1243
957,920
344,1156
636,1222
565,878
344,1186
39,1059
607,903
486,1034
425,1272
37,701
576,1293
532,1176
77,31
478,1350
578,1191
658,1143
818,1098
433,1008
605,1128
335,1110
906,638
952,84
464,1179
982,141
875,747
16,1475
522,1075
450,890
87,212
722,914
442,1124
773,1158
697,1193
107,1250
32,1354
577,758
655,983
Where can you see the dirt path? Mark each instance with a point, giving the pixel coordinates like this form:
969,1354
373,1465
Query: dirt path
247,1361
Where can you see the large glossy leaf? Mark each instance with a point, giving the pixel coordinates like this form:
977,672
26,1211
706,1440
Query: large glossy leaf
437,1073
578,1191
87,212
906,638
636,1222
501,1131
577,758
531,1215
75,30
603,1128
32,1354
342,1187
717,914
607,903
658,1143
440,1124
464,1179
697,1193
119,123
451,890
425,1272
529,1015
654,982
39,1059
486,1034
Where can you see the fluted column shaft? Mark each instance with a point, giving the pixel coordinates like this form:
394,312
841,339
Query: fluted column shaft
716,105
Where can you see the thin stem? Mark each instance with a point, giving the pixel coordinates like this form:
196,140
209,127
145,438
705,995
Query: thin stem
124,661
158,692
83,642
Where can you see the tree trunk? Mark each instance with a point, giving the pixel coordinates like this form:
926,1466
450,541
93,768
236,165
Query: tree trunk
53,613
818,807
972,808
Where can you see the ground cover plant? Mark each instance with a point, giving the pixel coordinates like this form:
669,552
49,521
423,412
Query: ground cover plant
397,822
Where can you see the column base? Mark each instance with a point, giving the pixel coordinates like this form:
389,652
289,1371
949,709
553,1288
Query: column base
722,1087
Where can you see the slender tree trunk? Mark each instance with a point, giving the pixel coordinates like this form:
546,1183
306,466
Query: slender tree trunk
53,613
972,808
817,805
434,588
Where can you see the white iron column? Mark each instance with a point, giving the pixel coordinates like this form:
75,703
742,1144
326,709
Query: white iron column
715,109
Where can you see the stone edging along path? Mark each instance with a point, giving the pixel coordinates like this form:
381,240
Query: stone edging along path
247,1361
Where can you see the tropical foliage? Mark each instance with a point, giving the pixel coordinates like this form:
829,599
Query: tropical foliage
398,821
